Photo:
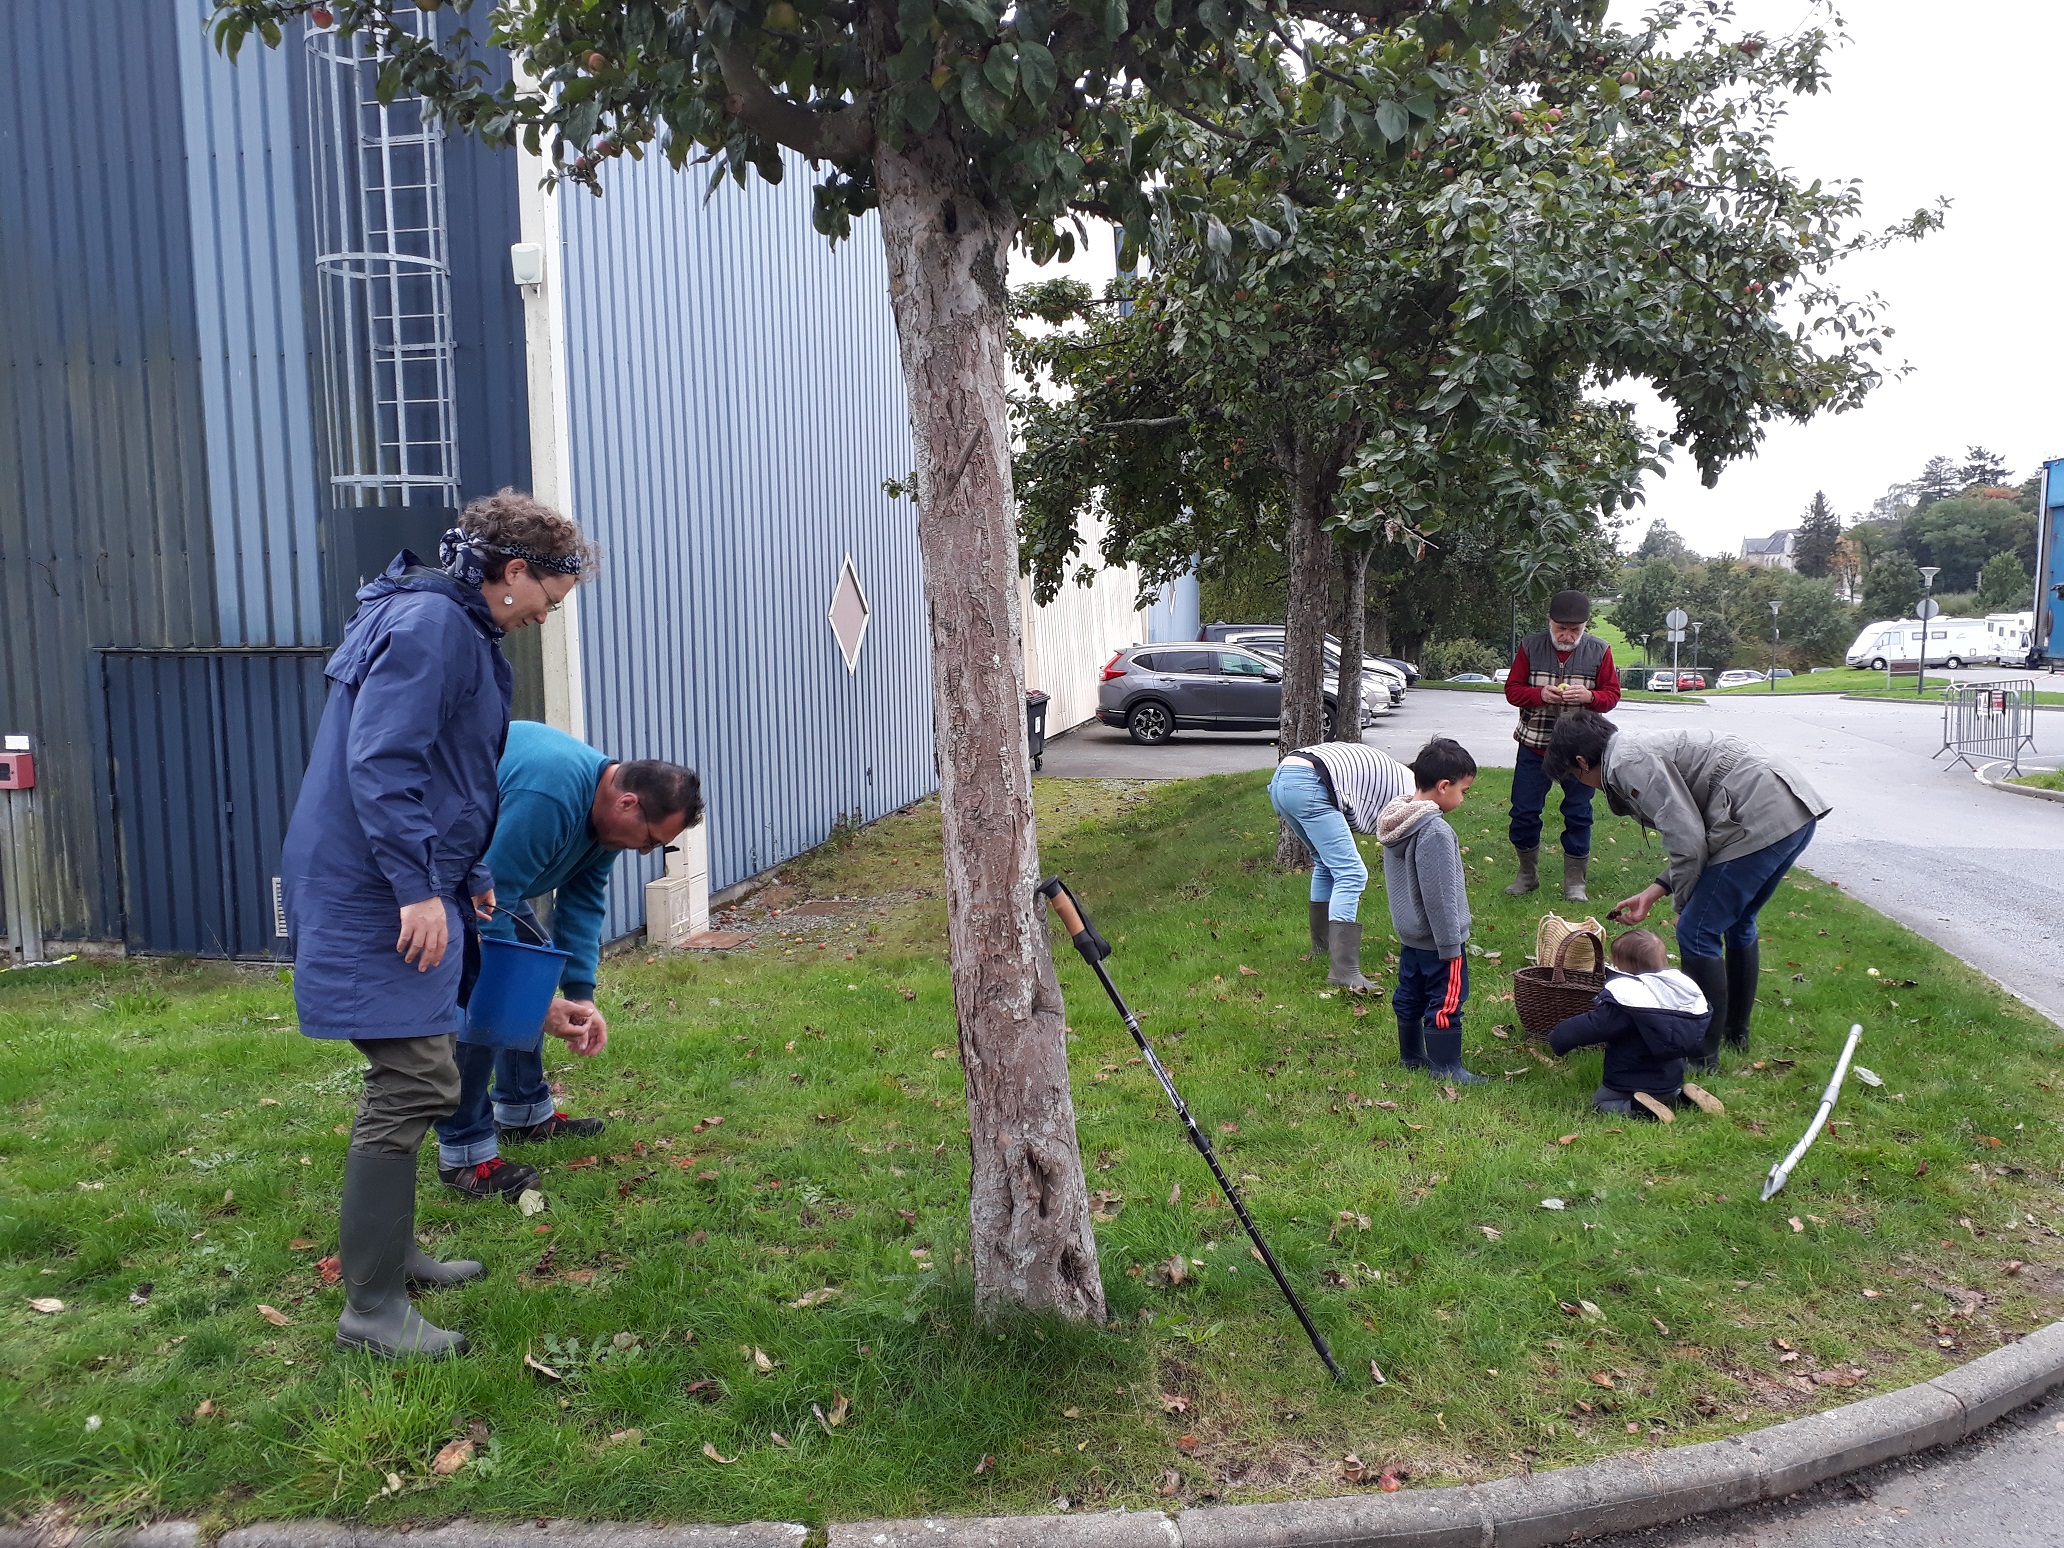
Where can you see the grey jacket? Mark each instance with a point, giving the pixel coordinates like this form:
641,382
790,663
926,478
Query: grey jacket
1422,877
1712,797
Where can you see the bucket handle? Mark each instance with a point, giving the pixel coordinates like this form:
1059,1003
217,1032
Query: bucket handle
530,925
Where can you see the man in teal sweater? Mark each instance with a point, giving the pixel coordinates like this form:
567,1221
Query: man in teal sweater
567,811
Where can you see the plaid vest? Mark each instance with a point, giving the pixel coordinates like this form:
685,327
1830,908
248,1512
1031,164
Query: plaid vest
1544,671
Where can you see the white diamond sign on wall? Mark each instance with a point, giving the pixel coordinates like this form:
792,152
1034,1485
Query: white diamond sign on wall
849,614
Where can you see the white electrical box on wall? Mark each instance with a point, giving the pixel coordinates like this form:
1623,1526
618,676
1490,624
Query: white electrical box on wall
677,904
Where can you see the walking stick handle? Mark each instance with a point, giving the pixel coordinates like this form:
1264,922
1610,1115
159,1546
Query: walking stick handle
1070,915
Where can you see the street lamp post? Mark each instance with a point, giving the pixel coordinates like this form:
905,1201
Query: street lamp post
1773,646
1695,627
1928,609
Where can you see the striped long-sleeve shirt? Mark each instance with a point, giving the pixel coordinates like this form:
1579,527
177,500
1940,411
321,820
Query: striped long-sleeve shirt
1361,779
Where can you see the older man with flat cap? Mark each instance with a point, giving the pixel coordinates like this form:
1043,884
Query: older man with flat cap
1560,669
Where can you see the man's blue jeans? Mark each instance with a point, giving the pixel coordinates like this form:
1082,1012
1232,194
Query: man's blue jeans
1724,903
521,1094
1338,875
1530,784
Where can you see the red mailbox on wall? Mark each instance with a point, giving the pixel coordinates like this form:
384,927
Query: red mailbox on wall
17,771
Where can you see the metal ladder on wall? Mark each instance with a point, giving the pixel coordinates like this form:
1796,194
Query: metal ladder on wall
383,274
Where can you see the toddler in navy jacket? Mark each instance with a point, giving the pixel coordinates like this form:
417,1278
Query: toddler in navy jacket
1649,1017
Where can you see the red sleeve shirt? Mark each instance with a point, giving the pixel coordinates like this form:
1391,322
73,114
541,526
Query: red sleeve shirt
1520,693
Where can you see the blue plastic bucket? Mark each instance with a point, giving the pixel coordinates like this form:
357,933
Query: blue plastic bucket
513,994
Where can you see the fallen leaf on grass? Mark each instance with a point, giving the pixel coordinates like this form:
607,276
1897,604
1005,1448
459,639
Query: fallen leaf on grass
1491,1231
530,1202
1174,1403
708,1391
1657,1324
582,1163
1248,972
1175,1270
1171,1480
451,1458
707,1123
1565,1139
1796,1223
542,1369
1988,1142
274,1315
141,1295
301,1244
1868,1077
814,1297
1361,1010
780,1440
47,1304
1553,1204
1451,1094
1353,1470
1601,1378
1175,1196
1229,1128
942,1053
206,1409
712,1453
1376,1375
1186,1443
331,1269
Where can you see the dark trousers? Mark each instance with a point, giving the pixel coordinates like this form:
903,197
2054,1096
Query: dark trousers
521,1095
1431,989
409,1083
1727,897
1530,795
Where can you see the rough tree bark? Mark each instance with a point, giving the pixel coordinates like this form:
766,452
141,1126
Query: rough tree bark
1311,473
1028,1209
1347,693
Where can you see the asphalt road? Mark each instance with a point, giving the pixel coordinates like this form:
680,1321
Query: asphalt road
1979,872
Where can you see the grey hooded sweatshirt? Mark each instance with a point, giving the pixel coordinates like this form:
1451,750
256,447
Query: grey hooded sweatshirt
1422,876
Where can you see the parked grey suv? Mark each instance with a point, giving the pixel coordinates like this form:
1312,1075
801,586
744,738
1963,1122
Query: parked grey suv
1154,691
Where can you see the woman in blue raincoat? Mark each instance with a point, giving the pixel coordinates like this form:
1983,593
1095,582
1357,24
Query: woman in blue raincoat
383,869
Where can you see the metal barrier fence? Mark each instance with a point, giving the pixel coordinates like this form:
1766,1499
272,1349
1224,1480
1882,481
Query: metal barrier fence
1992,721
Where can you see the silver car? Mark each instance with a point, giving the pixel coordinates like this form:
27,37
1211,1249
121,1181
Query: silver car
1154,691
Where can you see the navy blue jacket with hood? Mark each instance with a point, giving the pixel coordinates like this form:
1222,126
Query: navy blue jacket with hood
398,805
1648,1023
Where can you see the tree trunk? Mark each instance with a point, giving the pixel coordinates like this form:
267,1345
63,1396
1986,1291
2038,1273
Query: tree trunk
1028,1207
1347,693
1310,478
1377,641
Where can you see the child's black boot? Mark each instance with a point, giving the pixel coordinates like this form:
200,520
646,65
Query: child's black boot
1444,1058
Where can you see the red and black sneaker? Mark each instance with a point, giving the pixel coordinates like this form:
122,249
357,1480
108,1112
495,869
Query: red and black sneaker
491,1178
550,1128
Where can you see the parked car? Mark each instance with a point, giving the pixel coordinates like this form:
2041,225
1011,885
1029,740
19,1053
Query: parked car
1469,677
1786,671
1154,691
1686,681
1269,638
1382,691
1502,674
1739,678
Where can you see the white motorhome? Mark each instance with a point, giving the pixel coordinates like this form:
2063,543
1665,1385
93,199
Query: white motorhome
2008,636
1953,643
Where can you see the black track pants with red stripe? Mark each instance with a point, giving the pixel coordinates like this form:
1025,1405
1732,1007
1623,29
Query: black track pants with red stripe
1431,989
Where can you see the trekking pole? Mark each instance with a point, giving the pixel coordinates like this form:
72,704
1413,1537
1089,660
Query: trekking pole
1094,948
1781,1173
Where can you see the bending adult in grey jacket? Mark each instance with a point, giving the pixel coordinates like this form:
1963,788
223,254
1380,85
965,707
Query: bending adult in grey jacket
1733,819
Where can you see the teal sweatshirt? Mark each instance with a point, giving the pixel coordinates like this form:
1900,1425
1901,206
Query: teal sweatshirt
543,843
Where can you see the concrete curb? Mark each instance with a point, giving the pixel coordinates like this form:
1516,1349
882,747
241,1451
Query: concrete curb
1984,777
1622,1494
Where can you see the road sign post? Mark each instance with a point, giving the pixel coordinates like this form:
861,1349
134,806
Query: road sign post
1676,618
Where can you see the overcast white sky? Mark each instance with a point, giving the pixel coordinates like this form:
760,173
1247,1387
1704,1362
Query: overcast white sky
1928,100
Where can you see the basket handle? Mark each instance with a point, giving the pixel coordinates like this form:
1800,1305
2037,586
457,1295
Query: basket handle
1559,974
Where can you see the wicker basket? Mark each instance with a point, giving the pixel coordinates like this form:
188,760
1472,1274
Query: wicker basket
1553,930
1544,996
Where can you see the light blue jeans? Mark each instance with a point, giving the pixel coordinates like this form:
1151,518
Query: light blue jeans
1338,875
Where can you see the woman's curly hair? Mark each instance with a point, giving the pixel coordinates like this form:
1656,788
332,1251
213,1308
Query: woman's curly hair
510,519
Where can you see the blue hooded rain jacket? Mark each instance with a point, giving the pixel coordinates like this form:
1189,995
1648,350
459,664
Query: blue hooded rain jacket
398,805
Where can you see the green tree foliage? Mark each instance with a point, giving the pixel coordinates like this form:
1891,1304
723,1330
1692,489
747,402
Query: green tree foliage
1646,598
1452,657
1981,469
1660,542
1818,536
1891,586
1959,535
2004,585
1407,346
1815,626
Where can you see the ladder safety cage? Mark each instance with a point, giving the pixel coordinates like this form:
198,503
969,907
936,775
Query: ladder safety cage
383,276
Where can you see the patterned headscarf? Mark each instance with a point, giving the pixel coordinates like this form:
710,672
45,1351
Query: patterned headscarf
465,557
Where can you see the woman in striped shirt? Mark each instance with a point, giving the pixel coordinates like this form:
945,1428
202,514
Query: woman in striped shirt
1327,793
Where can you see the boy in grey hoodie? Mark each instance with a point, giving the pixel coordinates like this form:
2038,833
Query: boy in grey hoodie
1429,909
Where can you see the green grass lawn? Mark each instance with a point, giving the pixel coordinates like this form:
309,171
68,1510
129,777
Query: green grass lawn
1836,680
2042,779
173,1148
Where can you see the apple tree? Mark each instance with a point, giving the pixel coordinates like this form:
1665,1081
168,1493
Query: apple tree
1403,344
971,126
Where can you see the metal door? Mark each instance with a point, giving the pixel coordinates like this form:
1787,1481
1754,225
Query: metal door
207,749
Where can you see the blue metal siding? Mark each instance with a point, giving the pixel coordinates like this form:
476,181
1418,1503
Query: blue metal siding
735,401
103,494
246,163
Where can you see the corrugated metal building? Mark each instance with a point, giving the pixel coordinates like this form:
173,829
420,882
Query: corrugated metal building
711,390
